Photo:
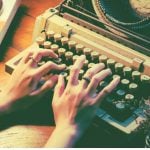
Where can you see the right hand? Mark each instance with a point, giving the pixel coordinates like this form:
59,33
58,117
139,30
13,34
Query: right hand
74,106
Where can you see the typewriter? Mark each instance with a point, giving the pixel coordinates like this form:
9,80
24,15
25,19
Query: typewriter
75,28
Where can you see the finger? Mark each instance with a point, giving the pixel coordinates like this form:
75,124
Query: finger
96,79
46,86
42,53
92,71
47,67
107,90
74,73
59,89
27,56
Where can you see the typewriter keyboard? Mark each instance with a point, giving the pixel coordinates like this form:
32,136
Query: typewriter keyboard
125,99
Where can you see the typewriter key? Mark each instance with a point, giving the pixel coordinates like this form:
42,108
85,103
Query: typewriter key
69,58
79,49
125,84
47,44
61,53
111,64
127,72
120,94
133,88
103,59
129,98
85,65
95,57
136,75
75,57
50,36
55,48
87,52
40,41
72,45
57,39
64,42
119,68
90,65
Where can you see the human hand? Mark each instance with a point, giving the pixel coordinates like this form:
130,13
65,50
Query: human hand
74,106
26,77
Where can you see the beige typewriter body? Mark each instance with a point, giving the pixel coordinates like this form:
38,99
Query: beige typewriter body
50,20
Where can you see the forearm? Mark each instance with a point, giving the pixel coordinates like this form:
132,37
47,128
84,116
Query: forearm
63,137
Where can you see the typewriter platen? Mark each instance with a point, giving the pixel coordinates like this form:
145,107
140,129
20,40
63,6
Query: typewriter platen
71,35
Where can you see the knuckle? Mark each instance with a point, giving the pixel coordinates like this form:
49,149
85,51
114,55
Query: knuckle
95,79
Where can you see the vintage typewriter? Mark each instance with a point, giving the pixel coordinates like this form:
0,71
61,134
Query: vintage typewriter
75,28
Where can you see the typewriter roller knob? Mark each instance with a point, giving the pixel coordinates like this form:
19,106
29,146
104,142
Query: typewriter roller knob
103,59
47,44
127,72
136,75
95,57
119,68
50,35
40,41
79,49
87,51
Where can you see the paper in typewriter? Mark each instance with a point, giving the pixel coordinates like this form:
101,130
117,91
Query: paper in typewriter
7,11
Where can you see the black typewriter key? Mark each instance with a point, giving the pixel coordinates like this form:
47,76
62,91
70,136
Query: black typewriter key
61,54
40,41
79,49
119,69
55,47
87,53
95,57
111,64
125,84
50,36
64,42
69,58
47,44
57,39
136,76
127,72
129,98
72,46
145,86
103,59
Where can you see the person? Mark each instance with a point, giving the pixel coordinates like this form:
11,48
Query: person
74,105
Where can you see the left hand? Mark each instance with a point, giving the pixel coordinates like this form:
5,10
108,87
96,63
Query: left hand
26,77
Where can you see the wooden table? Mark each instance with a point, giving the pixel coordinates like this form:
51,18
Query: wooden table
19,37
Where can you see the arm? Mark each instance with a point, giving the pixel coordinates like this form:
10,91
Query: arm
74,106
23,83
